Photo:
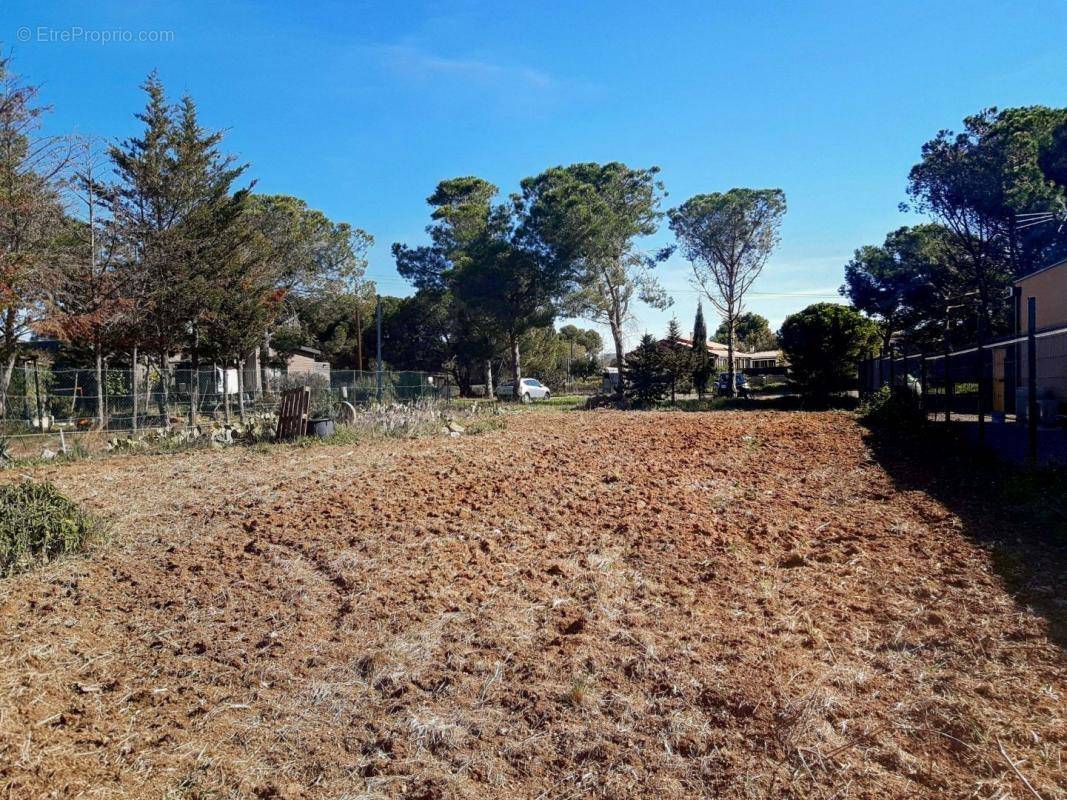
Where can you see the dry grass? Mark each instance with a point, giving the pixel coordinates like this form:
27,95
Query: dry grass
650,605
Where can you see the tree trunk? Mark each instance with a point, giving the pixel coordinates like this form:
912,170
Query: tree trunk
99,385
133,385
37,397
194,381
731,386
5,381
164,389
147,385
516,366
489,377
264,356
240,389
616,335
226,391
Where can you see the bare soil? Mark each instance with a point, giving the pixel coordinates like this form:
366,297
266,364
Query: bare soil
600,604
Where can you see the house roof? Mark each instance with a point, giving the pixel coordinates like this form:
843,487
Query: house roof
765,354
719,347
1050,267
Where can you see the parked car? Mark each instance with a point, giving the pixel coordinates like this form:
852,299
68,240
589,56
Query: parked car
530,389
722,383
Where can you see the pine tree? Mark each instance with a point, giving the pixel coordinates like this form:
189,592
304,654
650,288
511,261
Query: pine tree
176,214
677,357
701,360
647,376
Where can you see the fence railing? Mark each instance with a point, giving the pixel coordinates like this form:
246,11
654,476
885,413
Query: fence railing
1017,383
40,399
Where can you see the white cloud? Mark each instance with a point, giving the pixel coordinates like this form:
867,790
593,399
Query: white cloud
412,62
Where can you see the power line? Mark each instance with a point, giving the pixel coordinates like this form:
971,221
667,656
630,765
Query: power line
813,295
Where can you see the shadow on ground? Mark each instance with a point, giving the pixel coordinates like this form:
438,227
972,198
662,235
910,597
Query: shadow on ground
776,402
1020,516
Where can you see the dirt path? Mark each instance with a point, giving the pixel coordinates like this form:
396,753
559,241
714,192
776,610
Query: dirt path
587,604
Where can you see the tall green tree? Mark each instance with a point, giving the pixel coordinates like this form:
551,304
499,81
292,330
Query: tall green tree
824,344
752,331
177,213
317,266
904,282
513,287
590,218
703,366
147,212
976,182
312,256
481,260
728,238
464,221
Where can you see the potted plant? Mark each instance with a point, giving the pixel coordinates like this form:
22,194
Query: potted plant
320,414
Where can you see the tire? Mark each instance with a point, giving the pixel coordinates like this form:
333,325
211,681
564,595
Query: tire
525,399
548,396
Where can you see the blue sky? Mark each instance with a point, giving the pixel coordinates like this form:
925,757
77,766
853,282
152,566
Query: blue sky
361,108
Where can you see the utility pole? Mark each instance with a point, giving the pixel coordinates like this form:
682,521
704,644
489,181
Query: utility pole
378,362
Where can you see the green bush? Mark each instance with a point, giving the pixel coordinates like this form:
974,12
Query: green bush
38,524
823,344
893,408
647,376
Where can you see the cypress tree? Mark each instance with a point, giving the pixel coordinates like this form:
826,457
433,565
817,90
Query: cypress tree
702,365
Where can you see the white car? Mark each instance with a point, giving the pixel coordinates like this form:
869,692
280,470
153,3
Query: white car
530,389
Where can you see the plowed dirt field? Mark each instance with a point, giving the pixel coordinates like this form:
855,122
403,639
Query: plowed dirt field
598,604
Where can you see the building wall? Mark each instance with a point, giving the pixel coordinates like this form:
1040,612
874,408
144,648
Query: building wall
301,363
1050,290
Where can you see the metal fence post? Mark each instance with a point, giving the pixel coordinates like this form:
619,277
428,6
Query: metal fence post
37,394
924,399
1031,376
981,380
948,378
378,361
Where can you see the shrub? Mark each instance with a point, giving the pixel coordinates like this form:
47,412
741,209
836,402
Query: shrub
38,524
823,344
888,408
647,378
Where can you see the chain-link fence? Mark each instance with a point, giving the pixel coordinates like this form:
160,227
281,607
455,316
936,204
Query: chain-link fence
1010,393
42,400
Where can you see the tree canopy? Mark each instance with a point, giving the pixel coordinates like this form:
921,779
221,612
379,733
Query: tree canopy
727,238
824,343
752,331
587,219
